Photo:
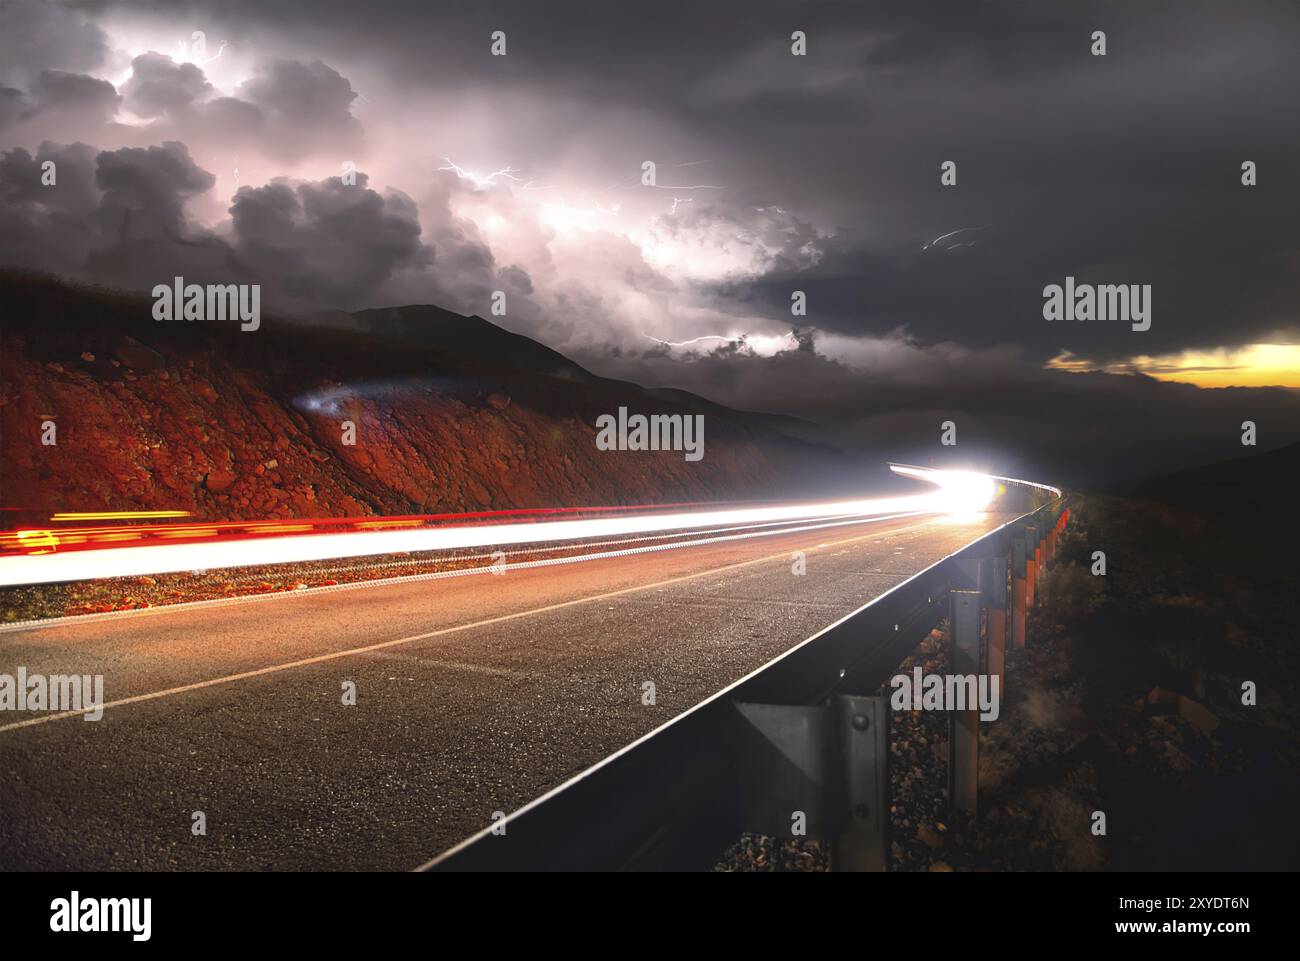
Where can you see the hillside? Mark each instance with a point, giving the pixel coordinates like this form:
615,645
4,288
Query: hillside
451,414
1229,484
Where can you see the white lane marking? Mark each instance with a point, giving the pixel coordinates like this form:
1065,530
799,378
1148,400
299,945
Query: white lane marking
381,645
451,665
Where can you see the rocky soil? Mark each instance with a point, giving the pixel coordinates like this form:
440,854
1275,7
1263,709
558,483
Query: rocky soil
233,425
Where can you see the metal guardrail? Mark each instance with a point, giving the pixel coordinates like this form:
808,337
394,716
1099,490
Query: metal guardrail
803,733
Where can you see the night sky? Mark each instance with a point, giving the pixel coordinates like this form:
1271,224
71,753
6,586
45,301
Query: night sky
775,173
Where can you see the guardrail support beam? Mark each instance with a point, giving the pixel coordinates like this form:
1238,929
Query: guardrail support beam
1031,566
997,621
964,725
864,758
828,762
1018,593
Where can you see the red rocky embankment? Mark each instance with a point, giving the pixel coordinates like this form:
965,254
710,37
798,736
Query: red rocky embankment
249,425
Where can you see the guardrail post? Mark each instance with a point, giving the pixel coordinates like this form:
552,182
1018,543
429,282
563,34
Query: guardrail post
964,725
995,594
1031,566
864,759
1018,592
985,585
828,761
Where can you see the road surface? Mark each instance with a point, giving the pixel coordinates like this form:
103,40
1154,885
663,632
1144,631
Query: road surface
473,695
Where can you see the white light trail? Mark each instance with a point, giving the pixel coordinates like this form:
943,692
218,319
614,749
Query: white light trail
172,558
958,492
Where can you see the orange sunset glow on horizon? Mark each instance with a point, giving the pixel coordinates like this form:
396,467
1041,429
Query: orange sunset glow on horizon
1251,365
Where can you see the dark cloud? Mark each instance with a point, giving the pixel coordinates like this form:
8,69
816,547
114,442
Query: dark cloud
1122,169
515,278
78,98
463,271
48,227
145,189
287,112
118,217
325,242
307,105
13,106
159,85
38,35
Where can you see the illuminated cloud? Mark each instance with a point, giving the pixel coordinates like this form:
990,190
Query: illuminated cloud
523,175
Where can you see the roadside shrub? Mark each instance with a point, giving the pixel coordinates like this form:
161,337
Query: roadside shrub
1072,592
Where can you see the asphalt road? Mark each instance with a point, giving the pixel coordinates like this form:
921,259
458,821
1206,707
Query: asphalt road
473,695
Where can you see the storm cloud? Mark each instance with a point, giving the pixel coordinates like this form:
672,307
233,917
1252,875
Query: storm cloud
118,217
774,176
326,242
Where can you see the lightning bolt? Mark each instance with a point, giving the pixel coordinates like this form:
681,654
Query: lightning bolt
507,172
686,186
693,340
760,342
689,163
634,182
597,211
953,233
185,53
